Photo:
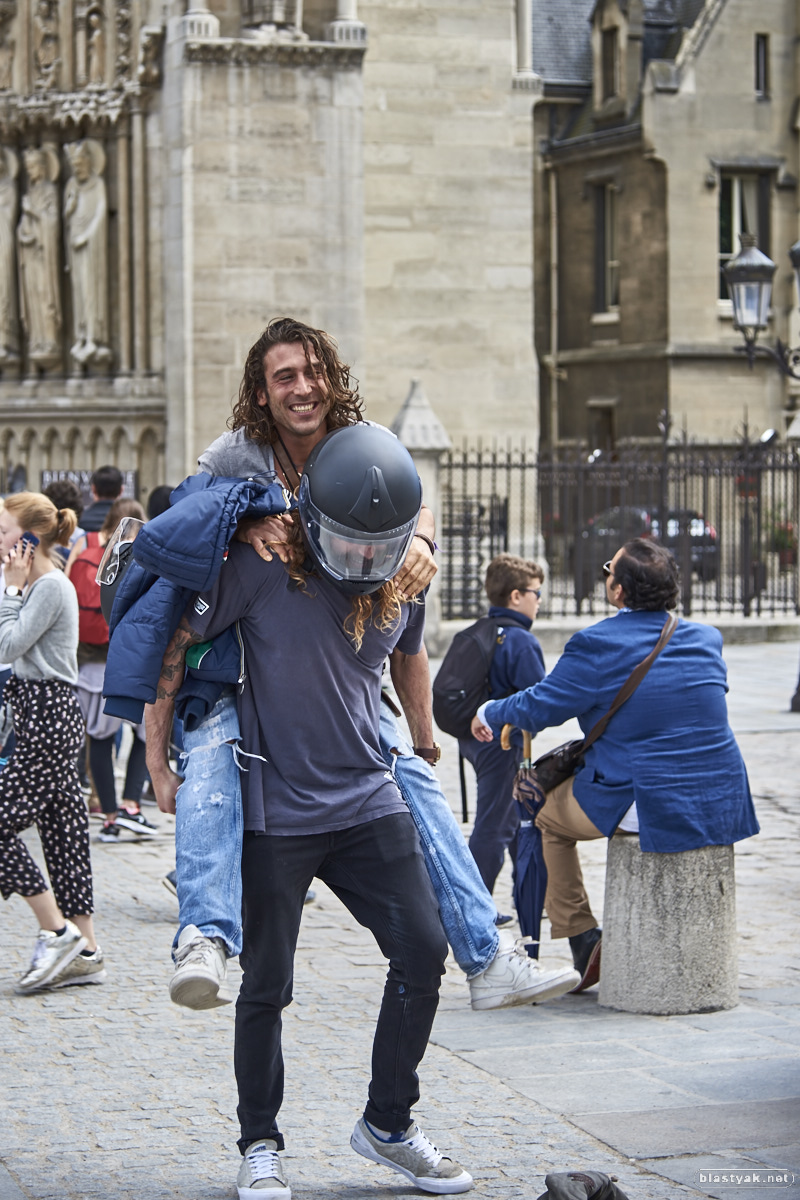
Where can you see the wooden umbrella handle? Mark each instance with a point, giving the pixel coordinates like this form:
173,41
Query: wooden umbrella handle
527,738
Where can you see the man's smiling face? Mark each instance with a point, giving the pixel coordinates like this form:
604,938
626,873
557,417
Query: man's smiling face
297,391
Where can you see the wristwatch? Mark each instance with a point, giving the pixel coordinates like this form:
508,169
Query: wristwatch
431,754
13,590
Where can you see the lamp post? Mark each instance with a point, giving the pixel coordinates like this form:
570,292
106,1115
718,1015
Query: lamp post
749,278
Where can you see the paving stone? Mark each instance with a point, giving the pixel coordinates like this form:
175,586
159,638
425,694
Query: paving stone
132,1087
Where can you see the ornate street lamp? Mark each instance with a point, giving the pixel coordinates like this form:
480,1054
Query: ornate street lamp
749,278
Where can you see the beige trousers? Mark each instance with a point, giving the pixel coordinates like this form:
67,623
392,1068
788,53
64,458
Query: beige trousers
563,823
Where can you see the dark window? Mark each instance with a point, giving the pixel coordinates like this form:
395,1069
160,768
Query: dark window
762,65
602,432
610,63
743,208
606,284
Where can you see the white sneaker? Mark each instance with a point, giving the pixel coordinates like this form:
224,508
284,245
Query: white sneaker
261,1174
512,977
51,954
200,970
84,968
416,1157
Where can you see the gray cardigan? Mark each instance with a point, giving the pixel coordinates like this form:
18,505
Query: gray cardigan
39,631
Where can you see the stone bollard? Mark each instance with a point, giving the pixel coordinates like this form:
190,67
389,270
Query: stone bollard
669,930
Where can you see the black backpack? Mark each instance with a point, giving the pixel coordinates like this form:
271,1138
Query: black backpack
462,682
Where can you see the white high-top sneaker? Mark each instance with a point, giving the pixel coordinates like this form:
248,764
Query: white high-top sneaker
512,977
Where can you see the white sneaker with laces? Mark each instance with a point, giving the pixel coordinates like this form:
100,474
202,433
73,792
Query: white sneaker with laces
201,967
261,1174
512,977
416,1157
51,954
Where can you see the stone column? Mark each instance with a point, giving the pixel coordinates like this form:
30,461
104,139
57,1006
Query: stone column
139,238
199,22
346,27
424,436
669,930
524,37
124,252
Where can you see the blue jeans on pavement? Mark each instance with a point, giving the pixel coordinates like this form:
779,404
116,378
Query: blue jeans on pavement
209,821
466,907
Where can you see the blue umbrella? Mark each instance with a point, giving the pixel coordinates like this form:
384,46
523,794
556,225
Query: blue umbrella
530,873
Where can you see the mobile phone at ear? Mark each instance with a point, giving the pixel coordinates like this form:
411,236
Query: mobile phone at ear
28,539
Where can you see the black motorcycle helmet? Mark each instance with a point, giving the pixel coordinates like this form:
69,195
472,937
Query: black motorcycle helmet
359,500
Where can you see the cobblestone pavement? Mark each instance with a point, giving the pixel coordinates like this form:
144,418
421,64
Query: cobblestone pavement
112,1091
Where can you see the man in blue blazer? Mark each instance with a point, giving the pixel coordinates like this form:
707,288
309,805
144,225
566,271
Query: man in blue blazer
667,767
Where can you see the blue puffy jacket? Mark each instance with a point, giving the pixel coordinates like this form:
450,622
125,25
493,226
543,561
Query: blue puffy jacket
178,553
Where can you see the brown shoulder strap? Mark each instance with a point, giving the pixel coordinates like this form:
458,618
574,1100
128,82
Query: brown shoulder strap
632,682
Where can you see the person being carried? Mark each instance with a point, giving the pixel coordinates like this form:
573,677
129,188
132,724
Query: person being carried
326,620
667,767
514,586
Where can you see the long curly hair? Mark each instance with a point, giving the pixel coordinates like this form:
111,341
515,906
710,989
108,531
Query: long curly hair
255,418
382,607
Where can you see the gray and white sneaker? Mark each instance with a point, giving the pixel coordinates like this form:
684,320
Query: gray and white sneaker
201,967
261,1174
512,978
84,968
415,1157
51,954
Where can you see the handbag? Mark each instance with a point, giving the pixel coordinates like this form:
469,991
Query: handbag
560,764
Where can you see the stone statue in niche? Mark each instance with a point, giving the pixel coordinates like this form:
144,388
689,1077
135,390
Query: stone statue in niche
9,326
37,241
45,43
96,46
86,235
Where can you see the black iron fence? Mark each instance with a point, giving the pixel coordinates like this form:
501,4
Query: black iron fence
730,516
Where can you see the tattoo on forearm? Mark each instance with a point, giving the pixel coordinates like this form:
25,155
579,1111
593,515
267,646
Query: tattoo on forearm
173,663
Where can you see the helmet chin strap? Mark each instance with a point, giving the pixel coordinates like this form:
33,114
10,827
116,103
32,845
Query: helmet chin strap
291,463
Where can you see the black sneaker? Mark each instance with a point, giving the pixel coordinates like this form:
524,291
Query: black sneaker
109,832
503,919
170,882
136,823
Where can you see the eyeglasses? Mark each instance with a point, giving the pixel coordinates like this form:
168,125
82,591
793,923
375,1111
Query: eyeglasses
607,567
534,591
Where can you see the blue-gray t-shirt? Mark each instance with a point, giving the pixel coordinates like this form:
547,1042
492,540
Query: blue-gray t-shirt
310,704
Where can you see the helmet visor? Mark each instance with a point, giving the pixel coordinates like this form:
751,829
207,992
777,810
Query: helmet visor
353,556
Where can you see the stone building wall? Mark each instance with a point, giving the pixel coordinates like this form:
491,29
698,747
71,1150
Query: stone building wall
619,358
448,224
248,168
264,217
714,120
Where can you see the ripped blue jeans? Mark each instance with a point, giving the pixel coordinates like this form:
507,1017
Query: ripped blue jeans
209,821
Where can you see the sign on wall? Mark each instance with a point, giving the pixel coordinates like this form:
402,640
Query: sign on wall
83,480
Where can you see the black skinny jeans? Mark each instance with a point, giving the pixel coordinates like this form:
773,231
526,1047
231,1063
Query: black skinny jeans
378,872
